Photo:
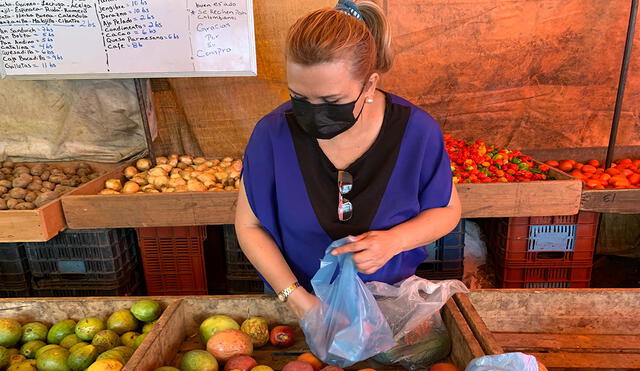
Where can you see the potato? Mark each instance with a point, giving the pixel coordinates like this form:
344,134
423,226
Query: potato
21,170
84,180
57,178
48,185
143,164
162,160
71,182
37,169
45,175
93,176
194,185
84,165
114,184
182,188
6,183
22,180
63,189
70,170
157,171
18,193
8,164
3,205
188,160
175,182
31,196
108,192
12,203
56,171
130,187
3,190
165,167
24,206
83,172
130,172
36,179
142,181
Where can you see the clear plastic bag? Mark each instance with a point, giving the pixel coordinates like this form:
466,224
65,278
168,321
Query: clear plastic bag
347,327
412,309
504,362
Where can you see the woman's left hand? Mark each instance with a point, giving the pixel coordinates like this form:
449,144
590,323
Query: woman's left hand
371,250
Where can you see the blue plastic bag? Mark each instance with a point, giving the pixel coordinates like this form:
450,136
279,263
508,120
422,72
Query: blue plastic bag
504,362
347,327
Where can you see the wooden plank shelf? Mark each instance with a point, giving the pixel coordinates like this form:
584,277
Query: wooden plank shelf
86,209
43,223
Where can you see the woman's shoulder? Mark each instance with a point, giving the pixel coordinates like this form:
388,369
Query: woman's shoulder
419,119
274,120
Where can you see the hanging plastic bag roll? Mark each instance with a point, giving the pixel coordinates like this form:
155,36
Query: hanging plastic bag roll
347,327
412,309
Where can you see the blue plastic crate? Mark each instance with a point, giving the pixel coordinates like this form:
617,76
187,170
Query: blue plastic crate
449,247
14,268
103,254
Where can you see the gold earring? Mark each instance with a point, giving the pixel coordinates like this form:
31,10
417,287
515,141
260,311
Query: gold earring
369,100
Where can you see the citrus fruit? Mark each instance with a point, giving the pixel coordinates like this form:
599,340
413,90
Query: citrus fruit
30,348
122,321
105,340
311,359
106,365
87,328
53,360
148,327
129,338
146,310
198,360
82,358
60,330
10,332
46,348
70,340
34,331
77,346
139,340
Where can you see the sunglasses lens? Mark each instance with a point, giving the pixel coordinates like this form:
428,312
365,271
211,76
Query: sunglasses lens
345,182
345,210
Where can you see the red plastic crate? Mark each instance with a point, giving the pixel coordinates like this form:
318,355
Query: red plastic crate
173,260
577,276
509,239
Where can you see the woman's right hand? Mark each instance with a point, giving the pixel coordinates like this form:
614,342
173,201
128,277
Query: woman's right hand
301,301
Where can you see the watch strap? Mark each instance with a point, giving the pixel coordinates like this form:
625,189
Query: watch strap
284,294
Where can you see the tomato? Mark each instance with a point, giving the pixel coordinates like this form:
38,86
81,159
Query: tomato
594,163
578,166
593,183
634,179
636,163
599,187
552,163
578,174
612,171
626,161
588,169
565,165
626,172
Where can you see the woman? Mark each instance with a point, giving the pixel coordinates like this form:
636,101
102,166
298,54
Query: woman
342,158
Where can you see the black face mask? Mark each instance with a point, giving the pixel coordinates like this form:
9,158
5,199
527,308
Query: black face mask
326,120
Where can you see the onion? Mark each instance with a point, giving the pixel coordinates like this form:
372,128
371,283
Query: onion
161,160
157,171
109,192
199,160
165,167
196,186
186,160
130,187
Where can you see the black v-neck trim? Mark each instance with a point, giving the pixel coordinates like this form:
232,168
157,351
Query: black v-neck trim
371,173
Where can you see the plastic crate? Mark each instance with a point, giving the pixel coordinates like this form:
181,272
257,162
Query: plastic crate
237,262
59,289
543,241
173,260
14,268
101,254
245,284
544,277
449,248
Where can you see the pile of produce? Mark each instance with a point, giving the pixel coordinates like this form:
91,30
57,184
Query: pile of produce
89,344
29,186
178,174
623,174
478,162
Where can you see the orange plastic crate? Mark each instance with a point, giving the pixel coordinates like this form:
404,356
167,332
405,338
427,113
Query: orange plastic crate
173,260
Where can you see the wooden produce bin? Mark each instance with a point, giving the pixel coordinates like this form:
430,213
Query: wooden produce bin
565,329
86,209
617,201
180,324
52,310
538,198
43,223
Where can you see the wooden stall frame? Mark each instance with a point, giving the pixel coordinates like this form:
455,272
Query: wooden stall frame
602,332
45,222
181,321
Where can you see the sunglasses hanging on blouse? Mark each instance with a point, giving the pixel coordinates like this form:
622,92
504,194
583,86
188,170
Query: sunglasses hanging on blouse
345,183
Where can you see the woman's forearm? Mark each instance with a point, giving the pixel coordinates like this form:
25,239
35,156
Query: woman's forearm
428,226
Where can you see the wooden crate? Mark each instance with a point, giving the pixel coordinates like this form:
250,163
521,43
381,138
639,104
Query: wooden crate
43,223
538,198
620,201
52,310
566,329
180,328
86,209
